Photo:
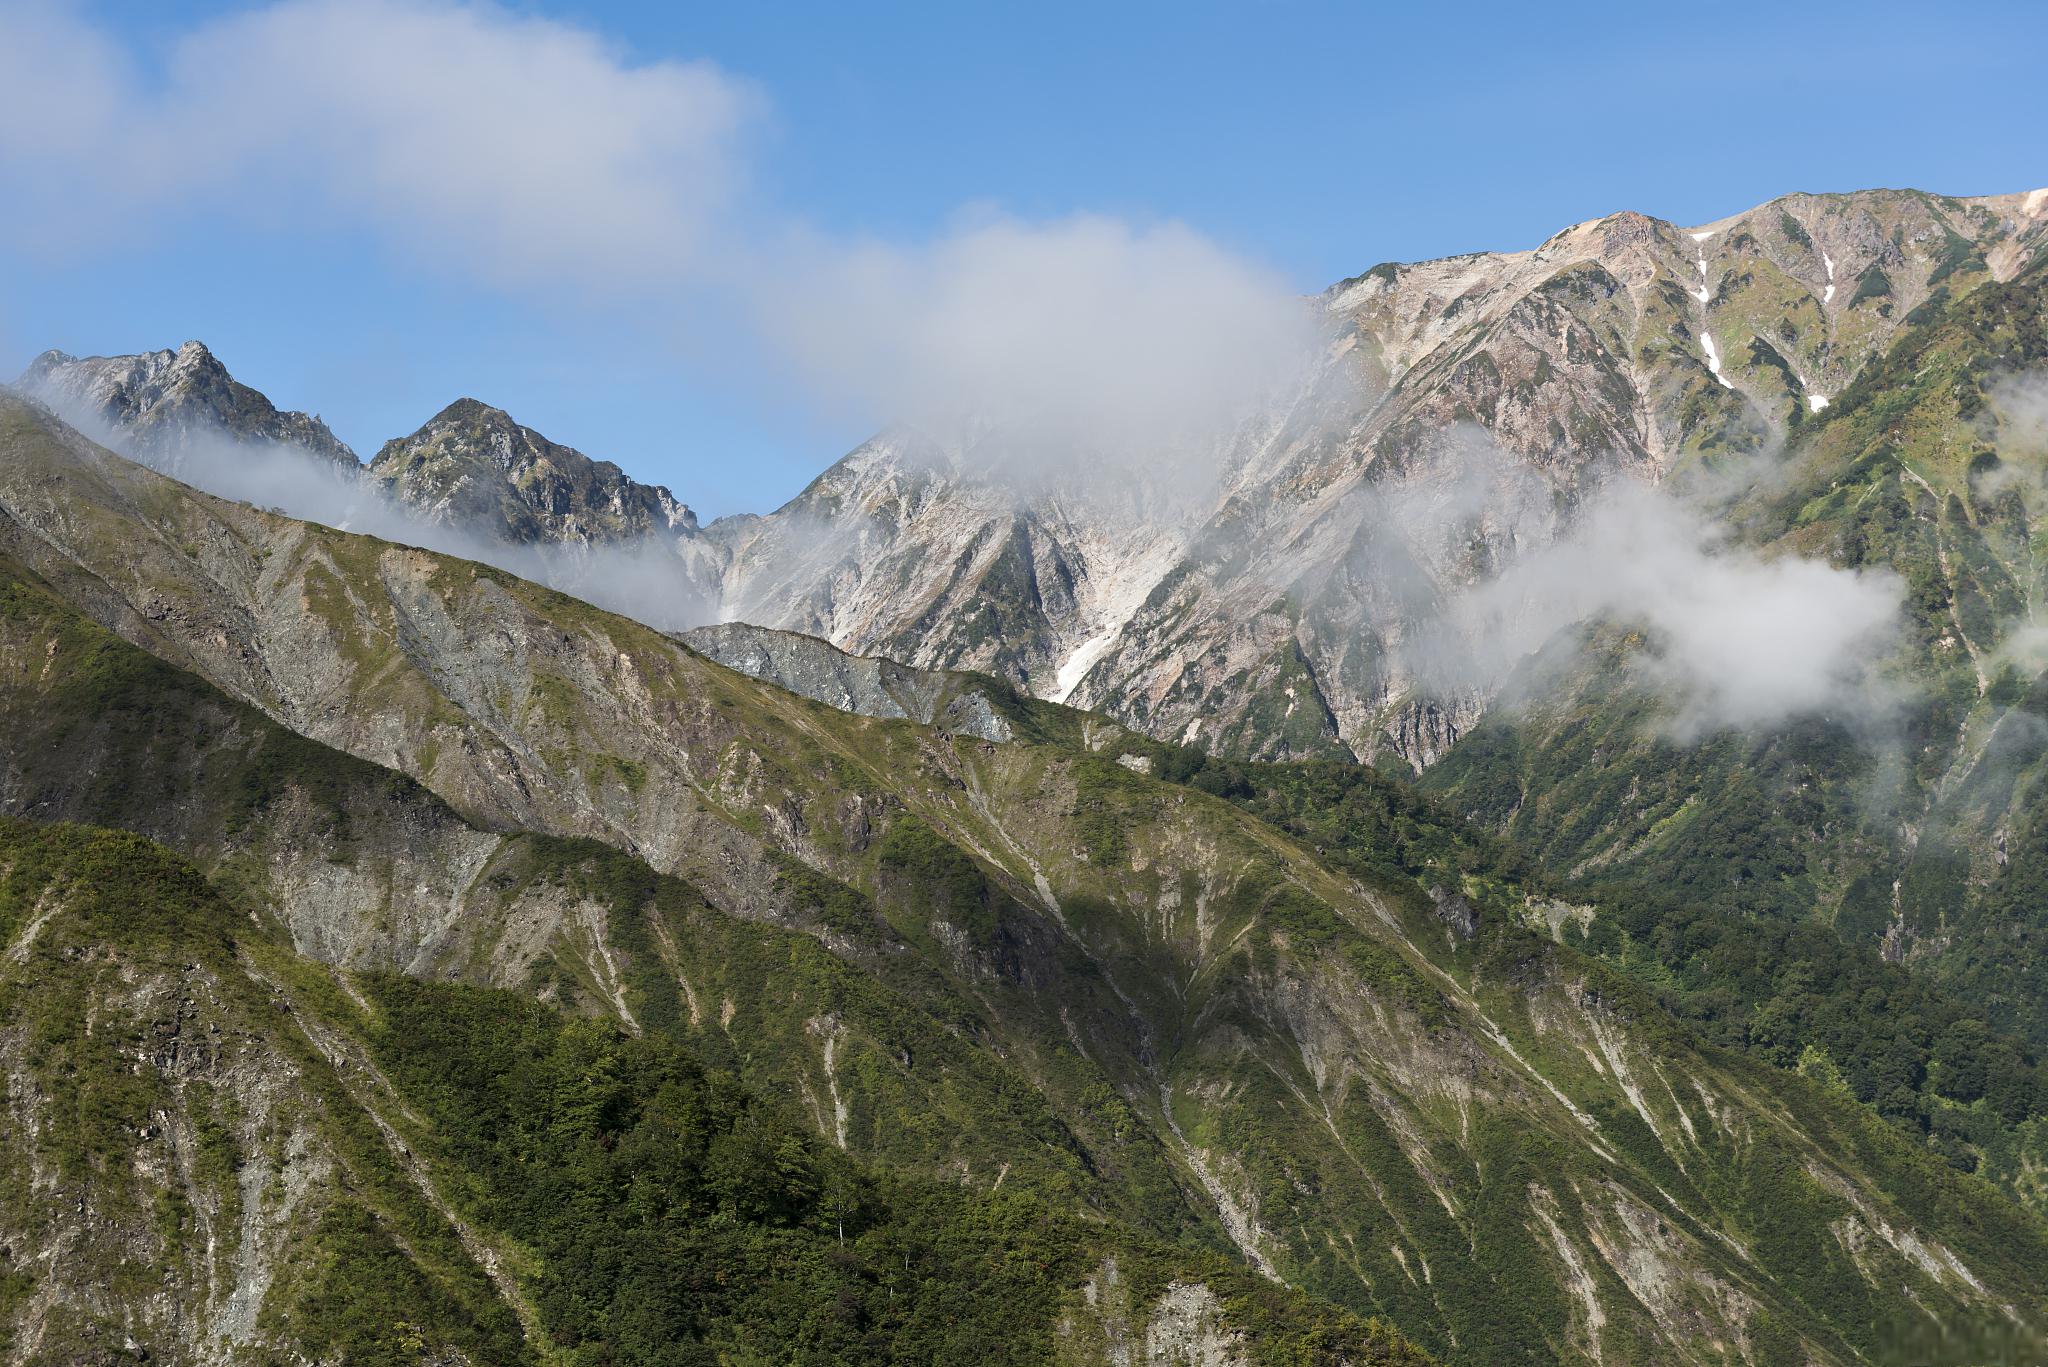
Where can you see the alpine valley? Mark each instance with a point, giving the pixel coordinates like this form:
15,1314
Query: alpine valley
966,916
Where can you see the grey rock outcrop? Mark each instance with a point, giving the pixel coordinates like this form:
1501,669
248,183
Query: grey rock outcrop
863,684
158,405
472,466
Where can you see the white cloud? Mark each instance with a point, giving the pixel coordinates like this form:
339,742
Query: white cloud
2017,420
530,154
523,150
1733,637
1085,328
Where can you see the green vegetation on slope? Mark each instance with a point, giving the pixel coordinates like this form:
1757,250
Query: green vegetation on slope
659,1212
153,1077
678,1219
1864,905
1474,1131
105,728
104,732
1786,988
1478,896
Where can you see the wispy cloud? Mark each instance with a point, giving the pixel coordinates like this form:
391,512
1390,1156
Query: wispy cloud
1732,636
525,151
657,579
1082,329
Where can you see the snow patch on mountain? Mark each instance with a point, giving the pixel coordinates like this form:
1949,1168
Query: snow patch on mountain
1714,359
1118,585
1076,666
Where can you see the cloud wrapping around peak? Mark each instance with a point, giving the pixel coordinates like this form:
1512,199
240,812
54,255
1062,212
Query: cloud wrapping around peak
1091,325
654,579
1733,637
530,155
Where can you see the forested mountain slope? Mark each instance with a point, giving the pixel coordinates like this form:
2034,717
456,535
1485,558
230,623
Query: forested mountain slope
226,1151
1915,834
1091,986
1794,990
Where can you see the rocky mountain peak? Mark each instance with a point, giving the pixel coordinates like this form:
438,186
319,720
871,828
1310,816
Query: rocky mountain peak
1623,346
474,465
1257,616
193,357
160,405
472,411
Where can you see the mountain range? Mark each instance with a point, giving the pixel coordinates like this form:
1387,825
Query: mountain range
836,937
1271,609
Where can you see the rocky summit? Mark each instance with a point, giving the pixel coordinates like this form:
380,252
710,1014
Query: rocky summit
1272,613
161,405
473,467
1274,617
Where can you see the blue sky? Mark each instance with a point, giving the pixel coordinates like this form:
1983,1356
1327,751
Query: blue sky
1307,141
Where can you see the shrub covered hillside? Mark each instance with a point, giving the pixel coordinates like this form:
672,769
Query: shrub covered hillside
1791,990
225,1152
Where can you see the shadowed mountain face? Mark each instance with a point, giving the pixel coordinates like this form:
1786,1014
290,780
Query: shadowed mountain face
1023,968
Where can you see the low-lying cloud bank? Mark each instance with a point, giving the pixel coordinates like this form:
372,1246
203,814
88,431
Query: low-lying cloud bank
1736,639
1733,637
654,579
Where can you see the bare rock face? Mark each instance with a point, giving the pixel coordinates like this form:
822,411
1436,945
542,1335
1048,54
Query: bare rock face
1456,911
1275,615
472,466
158,404
929,552
1269,599
862,684
1185,1325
